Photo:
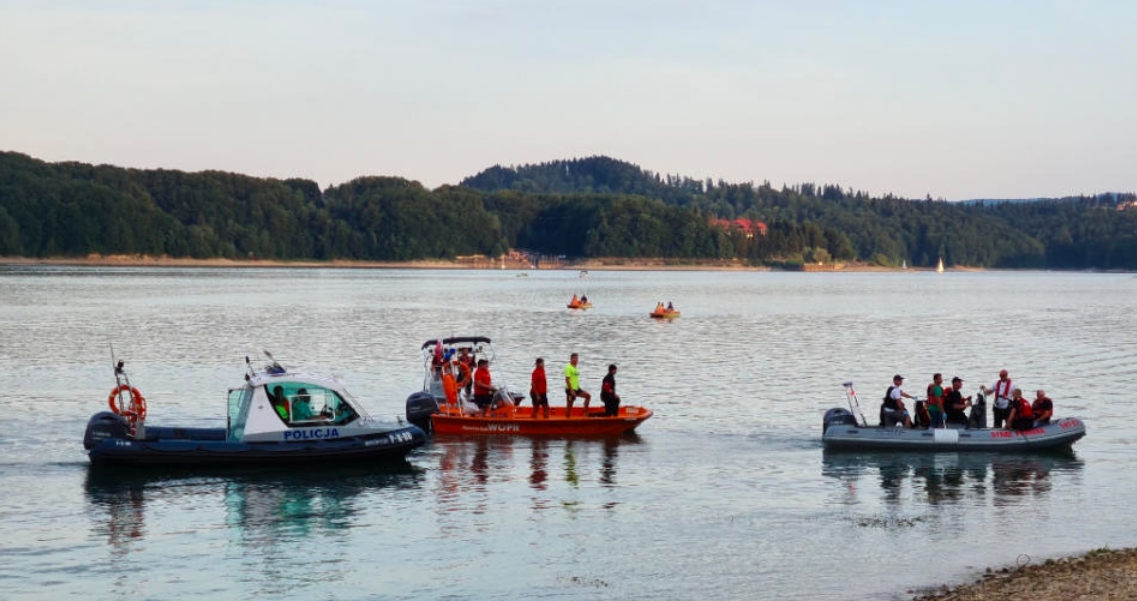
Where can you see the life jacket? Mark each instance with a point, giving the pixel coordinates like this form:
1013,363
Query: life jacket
889,402
1003,390
935,400
1024,410
462,373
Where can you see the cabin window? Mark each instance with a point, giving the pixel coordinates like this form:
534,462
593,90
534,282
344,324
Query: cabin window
301,404
238,398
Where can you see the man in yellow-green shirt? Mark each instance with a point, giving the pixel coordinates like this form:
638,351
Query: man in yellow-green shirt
572,386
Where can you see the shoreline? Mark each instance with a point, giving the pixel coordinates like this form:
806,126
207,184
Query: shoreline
512,263
1102,574
473,263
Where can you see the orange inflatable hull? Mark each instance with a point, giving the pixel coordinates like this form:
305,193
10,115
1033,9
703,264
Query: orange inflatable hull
664,314
579,306
519,421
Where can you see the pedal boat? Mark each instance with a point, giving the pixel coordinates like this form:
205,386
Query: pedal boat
277,418
443,409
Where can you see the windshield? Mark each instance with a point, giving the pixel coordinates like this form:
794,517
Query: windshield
302,404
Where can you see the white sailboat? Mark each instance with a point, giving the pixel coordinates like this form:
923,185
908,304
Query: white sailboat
940,266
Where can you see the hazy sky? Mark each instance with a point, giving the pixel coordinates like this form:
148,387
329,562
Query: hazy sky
954,99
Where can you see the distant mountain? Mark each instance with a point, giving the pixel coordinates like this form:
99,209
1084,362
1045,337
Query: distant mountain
591,175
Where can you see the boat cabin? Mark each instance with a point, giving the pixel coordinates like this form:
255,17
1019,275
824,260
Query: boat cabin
437,353
276,405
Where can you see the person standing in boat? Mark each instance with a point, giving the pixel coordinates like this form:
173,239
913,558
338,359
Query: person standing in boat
1004,390
608,393
935,400
572,386
465,369
893,411
539,388
955,404
483,387
1042,408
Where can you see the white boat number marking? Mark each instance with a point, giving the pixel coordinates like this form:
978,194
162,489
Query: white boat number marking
396,438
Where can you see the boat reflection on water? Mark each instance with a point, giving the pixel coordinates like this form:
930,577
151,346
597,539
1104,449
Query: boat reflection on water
469,467
264,507
945,478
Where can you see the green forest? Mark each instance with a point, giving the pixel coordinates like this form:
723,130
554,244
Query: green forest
580,208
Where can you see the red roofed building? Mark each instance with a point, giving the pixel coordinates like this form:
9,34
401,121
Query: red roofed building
746,226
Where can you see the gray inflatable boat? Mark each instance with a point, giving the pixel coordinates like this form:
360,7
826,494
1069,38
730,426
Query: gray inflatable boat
842,430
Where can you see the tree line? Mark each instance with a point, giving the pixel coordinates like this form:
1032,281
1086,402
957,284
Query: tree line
594,207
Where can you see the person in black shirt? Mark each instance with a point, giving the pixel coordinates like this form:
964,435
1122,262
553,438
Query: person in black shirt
608,392
955,404
1042,408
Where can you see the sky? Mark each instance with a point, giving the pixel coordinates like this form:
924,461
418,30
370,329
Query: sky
956,100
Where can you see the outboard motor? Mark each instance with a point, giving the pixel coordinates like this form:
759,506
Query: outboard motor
420,406
102,426
977,419
838,416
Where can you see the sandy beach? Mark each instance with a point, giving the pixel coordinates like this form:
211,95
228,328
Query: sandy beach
1100,575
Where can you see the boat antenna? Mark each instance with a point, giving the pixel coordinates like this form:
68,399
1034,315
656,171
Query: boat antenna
119,371
851,398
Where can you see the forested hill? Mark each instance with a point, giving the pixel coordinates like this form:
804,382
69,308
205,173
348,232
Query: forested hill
593,207
1062,233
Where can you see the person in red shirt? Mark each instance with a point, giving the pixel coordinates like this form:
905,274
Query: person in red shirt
539,388
483,386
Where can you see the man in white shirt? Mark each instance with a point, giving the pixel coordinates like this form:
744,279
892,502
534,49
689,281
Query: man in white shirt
1003,389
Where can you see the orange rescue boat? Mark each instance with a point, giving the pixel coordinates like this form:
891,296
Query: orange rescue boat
519,421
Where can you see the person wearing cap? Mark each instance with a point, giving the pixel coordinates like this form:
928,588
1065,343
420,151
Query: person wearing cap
955,403
1004,390
892,410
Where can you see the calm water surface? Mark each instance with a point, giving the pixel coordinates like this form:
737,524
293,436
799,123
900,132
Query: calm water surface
725,494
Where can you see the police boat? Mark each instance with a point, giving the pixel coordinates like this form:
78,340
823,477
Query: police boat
278,417
841,430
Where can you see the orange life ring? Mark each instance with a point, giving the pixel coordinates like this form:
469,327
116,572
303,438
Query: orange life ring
137,408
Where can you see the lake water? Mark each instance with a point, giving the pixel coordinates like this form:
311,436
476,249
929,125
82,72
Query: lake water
724,494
